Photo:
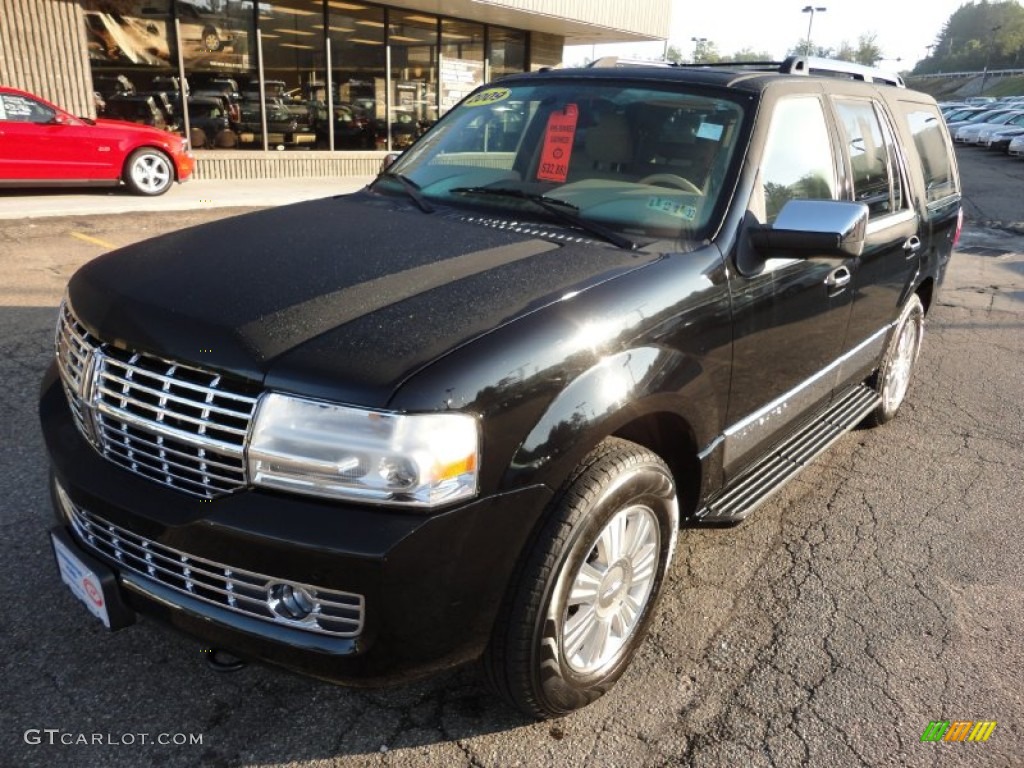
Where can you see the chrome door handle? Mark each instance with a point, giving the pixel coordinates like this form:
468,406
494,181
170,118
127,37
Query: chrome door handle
838,278
912,246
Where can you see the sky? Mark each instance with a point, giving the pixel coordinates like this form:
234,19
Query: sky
903,27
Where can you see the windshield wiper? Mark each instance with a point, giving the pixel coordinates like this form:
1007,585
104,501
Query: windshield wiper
560,209
411,188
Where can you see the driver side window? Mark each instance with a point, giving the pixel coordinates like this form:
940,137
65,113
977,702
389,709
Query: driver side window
797,163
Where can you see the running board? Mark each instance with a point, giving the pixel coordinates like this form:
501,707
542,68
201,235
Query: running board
769,474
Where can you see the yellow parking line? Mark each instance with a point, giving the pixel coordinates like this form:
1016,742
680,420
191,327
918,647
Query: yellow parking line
93,240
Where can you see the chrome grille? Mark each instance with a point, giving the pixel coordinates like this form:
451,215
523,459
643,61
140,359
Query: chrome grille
339,614
174,424
74,349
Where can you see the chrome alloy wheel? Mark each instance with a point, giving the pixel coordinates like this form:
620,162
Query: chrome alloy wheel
151,172
897,373
611,589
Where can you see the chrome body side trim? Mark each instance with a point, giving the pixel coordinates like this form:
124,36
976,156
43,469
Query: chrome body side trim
740,438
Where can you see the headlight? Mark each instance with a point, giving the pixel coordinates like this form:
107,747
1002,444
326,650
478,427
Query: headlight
415,460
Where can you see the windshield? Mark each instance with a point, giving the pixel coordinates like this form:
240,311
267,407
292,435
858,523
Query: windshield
642,160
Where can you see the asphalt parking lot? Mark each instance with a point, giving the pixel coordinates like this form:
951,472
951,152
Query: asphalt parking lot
881,590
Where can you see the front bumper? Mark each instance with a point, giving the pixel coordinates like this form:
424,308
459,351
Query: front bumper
430,585
185,165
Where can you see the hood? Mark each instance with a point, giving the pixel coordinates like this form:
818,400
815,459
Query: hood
342,298
139,128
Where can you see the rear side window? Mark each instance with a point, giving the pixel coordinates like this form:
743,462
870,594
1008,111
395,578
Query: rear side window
873,161
797,162
936,163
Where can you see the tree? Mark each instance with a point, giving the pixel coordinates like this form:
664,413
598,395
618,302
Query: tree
807,48
868,52
846,52
977,36
749,54
705,52
674,54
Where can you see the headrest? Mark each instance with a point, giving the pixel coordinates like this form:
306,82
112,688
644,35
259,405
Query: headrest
609,141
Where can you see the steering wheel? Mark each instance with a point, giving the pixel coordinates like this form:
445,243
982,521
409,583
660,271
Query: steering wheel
671,180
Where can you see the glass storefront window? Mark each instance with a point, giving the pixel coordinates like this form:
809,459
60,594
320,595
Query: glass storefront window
360,104
132,61
218,42
412,38
358,76
506,52
462,60
295,76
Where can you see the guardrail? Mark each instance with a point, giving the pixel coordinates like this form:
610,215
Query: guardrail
953,75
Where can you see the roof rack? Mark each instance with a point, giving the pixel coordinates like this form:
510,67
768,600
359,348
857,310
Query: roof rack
811,65
619,61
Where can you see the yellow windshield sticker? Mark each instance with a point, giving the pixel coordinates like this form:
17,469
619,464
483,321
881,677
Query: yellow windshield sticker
490,96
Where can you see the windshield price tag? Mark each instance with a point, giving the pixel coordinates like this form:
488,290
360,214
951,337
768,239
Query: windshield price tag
558,138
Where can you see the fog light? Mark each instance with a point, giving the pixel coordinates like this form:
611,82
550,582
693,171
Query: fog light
290,602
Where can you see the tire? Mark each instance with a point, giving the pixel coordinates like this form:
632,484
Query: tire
226,139
893,377
211,40
197,138
148,172
583,596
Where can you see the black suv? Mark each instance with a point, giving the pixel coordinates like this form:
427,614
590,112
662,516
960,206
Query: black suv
465,412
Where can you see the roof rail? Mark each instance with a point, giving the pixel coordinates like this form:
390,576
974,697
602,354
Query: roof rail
810,65
619,61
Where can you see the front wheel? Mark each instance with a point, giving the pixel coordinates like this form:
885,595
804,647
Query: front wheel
148,172
893,377
582,600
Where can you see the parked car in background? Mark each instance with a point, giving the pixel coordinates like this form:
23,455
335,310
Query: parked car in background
968,133
284,129
998,137
353,127
210,125
136,108
169,104
1016,147
111,85
42,145
231,107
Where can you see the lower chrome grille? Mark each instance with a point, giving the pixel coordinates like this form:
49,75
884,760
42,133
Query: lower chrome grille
327,611
174,424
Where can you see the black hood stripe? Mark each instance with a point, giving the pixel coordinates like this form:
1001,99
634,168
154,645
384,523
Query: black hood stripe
296,324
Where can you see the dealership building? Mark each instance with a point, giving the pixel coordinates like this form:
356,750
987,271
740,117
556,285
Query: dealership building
297,88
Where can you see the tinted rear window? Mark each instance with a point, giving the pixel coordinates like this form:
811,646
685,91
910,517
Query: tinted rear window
925,125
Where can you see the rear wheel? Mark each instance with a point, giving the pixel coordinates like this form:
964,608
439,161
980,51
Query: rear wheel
148,172
211,40
898,364
582,600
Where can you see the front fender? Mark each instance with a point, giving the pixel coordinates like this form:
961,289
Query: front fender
617,390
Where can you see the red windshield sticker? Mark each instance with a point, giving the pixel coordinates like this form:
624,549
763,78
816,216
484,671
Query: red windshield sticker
554,157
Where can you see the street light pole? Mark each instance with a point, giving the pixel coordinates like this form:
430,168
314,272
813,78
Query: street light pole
697,43
988,58
811,9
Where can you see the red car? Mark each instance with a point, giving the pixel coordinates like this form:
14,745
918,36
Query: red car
42,145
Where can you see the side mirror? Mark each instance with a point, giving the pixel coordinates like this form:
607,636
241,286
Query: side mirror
815,228
388,159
